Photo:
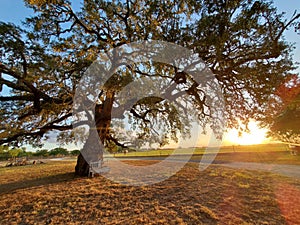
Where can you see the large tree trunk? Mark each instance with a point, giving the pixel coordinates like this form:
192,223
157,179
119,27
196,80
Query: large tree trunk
82,167
93,148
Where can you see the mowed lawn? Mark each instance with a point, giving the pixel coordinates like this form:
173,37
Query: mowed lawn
50,194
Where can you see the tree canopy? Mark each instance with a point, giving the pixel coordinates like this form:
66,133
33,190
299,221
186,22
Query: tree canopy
283,117
58,152
241,42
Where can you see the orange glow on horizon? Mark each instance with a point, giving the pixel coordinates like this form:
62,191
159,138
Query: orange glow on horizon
255,136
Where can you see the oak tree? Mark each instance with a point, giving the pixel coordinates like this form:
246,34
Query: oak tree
241,41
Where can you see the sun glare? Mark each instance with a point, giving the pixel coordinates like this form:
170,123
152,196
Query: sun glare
255,136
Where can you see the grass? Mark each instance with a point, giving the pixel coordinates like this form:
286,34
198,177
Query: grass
201,150
50,194
257,157
269,153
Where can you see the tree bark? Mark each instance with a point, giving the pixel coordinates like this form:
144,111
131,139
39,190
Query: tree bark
82,167
93,148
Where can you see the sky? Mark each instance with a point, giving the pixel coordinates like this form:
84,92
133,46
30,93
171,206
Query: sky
14,11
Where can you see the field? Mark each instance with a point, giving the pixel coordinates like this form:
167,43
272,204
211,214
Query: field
268,153
50,194
224,149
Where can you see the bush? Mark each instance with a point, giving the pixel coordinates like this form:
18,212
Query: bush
75,152
43,152
59,152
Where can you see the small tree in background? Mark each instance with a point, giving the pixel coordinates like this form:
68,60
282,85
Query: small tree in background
58,152
4,155
41,153
15,152
75,152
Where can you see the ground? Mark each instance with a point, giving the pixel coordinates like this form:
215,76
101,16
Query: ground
50,194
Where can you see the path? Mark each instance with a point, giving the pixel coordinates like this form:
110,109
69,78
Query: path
286,170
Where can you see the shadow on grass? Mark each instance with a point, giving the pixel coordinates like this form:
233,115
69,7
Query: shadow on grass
47,180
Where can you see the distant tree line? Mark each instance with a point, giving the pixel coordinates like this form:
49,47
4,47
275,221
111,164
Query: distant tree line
7,152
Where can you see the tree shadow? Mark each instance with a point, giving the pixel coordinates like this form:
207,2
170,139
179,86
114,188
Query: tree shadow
23,184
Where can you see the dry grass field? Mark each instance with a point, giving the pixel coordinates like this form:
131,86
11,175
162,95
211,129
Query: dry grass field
50,194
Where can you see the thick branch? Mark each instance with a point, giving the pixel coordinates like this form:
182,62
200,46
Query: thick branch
29,97
111,138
